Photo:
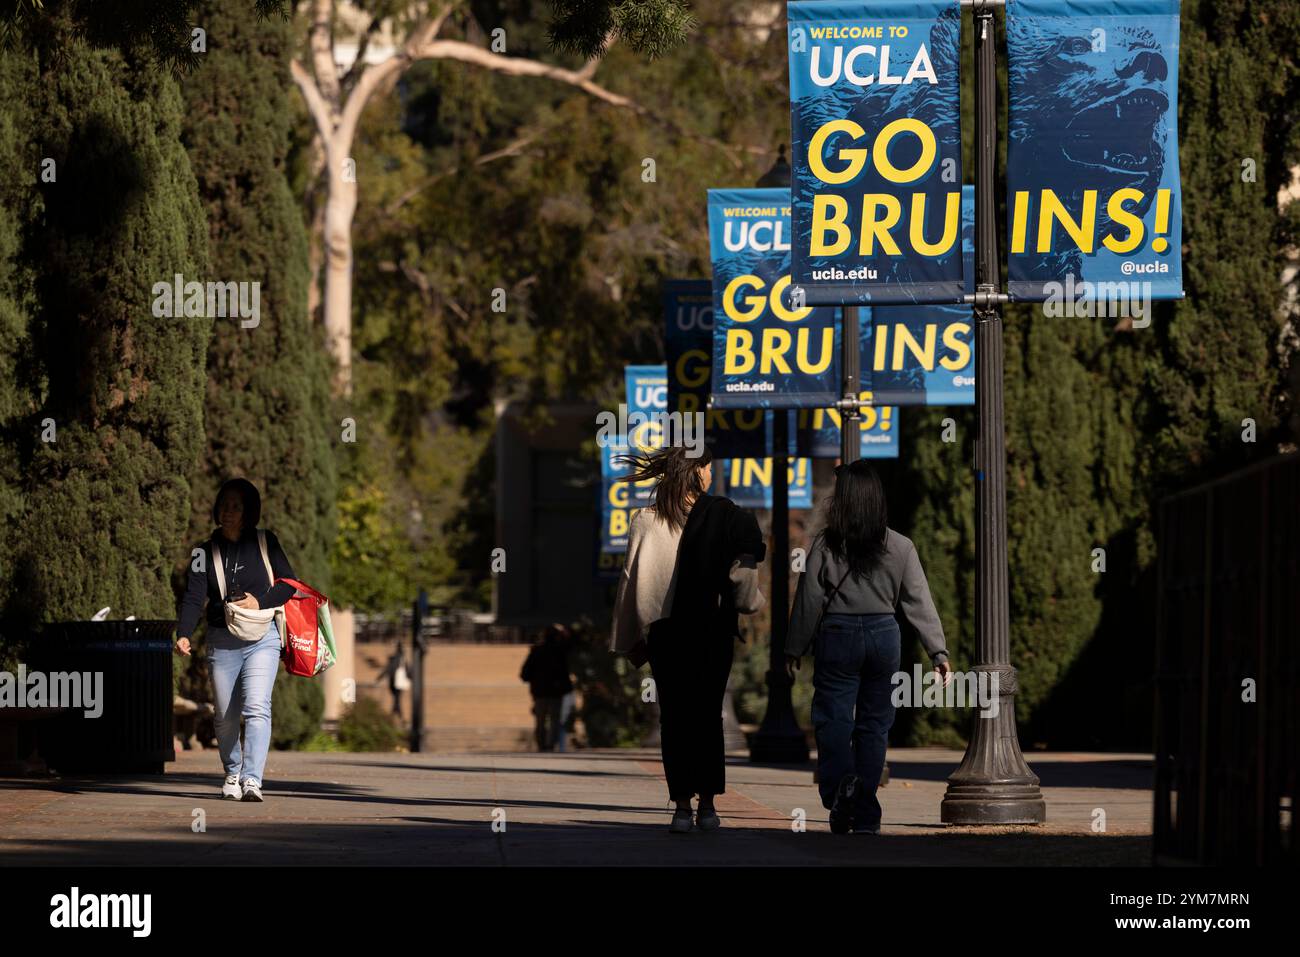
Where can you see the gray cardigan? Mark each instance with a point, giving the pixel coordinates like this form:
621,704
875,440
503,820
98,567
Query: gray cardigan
897,582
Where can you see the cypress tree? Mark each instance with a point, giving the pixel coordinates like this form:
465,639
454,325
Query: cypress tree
107,501
266,393
18,154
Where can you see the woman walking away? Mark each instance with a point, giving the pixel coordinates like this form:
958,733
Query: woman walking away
859,573
691,567
242,564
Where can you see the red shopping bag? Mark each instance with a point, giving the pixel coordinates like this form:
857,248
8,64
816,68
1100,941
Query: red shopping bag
308,647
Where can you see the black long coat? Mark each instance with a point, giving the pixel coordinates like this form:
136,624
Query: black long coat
717,532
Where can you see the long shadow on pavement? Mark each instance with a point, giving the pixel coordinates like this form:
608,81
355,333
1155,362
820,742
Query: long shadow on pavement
425,841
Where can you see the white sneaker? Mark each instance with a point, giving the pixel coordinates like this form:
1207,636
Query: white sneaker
230,790
252,790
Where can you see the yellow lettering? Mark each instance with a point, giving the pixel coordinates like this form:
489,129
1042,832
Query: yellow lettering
1118,214
856,158
823,363
951,219
929,148
873,228
1054,210
755,303
739,355
957,338
904,341
1019,216
829,214
776,342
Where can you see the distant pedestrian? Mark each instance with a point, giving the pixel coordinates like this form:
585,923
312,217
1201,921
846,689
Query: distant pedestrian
399,678
691,568
859,572
243,669
567,705
546,670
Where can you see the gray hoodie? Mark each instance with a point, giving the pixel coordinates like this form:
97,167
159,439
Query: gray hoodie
897,582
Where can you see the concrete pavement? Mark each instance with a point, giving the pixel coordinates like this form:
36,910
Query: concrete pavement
589,807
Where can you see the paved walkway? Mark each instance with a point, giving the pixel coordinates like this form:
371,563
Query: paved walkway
591,807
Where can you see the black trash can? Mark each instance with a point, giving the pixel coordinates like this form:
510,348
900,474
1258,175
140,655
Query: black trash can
133,734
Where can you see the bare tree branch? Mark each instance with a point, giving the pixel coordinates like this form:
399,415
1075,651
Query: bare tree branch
316,105
320,38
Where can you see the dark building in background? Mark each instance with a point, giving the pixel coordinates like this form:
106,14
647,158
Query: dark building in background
546,516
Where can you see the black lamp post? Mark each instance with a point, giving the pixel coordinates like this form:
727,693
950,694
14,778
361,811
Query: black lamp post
993,785
779,739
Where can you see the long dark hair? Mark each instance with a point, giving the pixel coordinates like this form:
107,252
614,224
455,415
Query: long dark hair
857,520
678,475
248,493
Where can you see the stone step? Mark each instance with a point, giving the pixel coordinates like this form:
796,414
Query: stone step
473,698
454,739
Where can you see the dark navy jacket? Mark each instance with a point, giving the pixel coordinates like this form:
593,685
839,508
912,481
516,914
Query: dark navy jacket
244,572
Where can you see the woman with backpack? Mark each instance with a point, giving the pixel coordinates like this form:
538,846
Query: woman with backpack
240,561
858,574
691,569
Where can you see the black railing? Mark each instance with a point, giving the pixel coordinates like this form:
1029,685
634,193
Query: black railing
439,626
1227,696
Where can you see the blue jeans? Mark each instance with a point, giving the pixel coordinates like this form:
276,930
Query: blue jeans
243,674
855,657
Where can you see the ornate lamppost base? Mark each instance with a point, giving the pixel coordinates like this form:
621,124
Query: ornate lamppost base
779,740
993,804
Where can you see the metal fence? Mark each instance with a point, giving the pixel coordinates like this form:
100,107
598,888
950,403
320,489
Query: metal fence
1227,696
440,625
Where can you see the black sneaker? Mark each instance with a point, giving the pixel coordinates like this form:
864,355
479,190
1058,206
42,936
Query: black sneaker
842,807
864,828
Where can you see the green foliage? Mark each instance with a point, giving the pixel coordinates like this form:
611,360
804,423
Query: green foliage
370,564
322,741
19,206
366,726
149,31
268,408
477,182
297,705
122,388
650,27
612,711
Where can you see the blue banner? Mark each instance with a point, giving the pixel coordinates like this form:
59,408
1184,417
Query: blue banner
769,351
647,399
876,151
748,482
1093,192
924,354
819,432
619,499
688,345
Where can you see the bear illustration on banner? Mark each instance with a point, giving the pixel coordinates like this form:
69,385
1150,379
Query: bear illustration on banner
1093,191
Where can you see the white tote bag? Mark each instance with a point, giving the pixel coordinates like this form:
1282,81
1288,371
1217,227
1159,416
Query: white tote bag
249,624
